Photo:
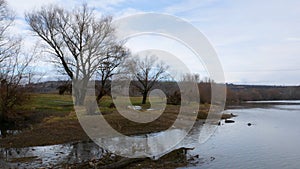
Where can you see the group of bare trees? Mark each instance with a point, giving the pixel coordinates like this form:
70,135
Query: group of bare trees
80,44
14,64
84,45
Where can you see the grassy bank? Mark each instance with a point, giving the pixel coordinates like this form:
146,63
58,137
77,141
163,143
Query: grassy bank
50,119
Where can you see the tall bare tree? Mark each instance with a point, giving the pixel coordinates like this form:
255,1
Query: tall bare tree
147,72
77,39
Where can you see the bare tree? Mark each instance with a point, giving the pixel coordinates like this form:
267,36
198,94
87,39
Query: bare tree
114,57
13,89
147,72
78,41
8,45
11,69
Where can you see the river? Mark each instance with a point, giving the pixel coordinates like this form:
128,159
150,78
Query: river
272,141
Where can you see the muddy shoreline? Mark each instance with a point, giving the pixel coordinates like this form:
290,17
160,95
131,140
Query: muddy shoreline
64,130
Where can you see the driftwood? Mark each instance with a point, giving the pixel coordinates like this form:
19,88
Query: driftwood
122,163
127,161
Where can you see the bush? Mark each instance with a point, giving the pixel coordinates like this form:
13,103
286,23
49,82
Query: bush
11,96
174,99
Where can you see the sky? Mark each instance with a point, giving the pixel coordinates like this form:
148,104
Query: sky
257,41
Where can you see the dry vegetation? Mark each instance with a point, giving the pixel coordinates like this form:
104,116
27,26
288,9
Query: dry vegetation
50,119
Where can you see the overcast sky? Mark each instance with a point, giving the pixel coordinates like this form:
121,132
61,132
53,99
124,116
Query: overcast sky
257,41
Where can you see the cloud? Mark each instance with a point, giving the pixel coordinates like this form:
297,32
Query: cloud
188,5
248,35
20,6
293,39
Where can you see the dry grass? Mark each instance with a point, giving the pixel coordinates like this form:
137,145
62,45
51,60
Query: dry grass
59,122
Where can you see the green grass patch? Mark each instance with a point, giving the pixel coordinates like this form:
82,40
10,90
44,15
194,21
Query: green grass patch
50,103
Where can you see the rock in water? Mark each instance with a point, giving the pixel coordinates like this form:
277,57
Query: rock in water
229,121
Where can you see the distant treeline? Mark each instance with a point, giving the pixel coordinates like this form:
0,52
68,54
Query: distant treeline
238,93
235,93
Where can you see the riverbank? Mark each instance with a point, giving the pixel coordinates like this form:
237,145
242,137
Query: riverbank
59,130
51,120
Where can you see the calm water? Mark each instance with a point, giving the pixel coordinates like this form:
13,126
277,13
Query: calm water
273,141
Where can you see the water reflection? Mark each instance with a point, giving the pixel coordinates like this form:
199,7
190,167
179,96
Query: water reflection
153,143
157,143
49,156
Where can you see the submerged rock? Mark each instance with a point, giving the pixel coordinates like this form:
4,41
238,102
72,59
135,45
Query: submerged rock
229,121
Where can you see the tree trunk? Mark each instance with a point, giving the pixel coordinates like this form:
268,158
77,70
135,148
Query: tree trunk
79,95
144,97
1,117
101,94
80,88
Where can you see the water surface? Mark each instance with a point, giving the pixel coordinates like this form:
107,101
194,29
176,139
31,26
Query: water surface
272,141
